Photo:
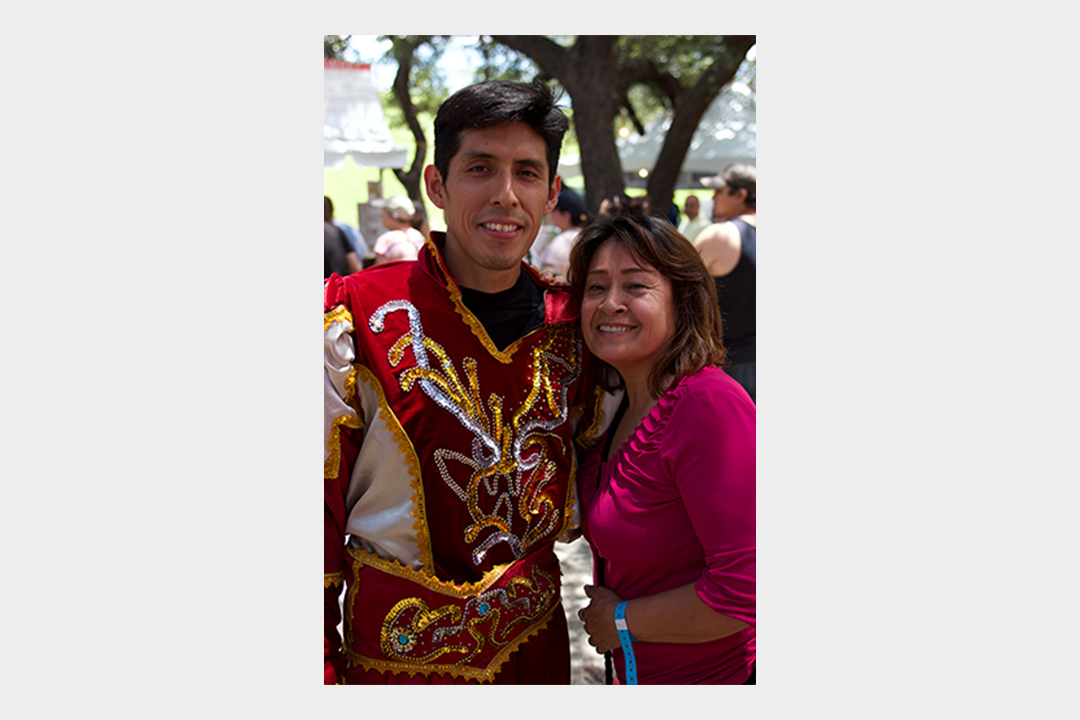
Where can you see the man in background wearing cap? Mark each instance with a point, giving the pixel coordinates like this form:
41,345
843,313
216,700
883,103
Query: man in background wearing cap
729,249
569,216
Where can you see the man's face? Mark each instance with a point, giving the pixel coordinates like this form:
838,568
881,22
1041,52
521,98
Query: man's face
494,199
560,219
727,204
692,207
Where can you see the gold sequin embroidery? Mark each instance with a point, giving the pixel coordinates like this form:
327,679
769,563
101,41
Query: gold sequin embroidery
413,635
510,454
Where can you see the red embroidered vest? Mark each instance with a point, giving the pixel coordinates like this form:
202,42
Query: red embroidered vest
490,436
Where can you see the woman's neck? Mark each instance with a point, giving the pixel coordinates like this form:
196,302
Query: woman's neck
639,397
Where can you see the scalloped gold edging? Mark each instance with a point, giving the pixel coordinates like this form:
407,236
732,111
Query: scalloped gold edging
445,587
504,356
333,460
338,314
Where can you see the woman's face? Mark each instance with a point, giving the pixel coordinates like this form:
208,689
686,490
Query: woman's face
627,311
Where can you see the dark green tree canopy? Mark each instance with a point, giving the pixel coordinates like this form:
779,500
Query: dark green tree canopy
611,81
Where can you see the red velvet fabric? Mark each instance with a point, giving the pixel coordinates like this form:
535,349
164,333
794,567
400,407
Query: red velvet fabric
409,328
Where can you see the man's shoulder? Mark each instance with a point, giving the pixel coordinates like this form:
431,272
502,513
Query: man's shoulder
722,232
385,281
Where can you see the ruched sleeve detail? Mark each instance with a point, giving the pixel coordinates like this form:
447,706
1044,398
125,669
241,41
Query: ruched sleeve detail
709,448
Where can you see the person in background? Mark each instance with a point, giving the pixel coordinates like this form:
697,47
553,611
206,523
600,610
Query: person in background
356,240
401,241
623,204
729,249
668,493
338,255
569,216
419,220
694,222
456,389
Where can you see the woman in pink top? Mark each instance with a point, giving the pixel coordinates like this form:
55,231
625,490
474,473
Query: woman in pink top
668,498
400,241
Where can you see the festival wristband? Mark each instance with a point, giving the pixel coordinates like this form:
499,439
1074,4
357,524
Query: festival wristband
626,640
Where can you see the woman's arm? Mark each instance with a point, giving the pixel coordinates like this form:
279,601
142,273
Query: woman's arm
676,616
711,457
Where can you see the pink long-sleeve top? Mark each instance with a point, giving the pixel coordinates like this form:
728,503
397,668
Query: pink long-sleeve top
676,505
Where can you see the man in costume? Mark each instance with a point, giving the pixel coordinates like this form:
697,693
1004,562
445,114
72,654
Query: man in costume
455,387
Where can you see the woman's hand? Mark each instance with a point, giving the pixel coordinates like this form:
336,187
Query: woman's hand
599,618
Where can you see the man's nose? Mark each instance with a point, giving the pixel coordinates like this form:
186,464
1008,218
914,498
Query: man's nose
504,193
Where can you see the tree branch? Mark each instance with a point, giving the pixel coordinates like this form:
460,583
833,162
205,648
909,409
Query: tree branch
549,56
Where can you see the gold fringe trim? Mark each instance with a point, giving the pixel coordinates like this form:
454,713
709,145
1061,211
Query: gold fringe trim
329,579
568,510
333,461
338,314
586,439
504,356
393,567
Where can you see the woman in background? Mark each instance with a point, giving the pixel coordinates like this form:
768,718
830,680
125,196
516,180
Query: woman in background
401,241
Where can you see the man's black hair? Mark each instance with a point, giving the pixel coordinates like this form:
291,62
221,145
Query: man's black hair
494,103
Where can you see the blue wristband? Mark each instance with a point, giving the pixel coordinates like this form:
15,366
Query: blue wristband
626,640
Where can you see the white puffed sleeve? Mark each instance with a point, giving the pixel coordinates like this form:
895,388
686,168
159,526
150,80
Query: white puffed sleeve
339,379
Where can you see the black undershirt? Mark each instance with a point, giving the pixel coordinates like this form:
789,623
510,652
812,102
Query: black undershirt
508,315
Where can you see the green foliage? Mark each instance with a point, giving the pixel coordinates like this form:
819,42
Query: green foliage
335,46
666,64
422,55
683,55
499,62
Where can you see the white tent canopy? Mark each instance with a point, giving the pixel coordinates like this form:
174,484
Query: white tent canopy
727,134
353,122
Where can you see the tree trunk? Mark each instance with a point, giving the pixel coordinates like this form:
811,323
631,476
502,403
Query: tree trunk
592,83
411,178
589,72
688,113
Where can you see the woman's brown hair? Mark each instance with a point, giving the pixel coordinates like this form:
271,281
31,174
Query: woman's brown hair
699,339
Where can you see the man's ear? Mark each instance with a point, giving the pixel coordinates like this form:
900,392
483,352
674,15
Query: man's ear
553,196
434,184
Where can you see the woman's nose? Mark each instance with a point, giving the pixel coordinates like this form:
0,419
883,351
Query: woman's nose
612,302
